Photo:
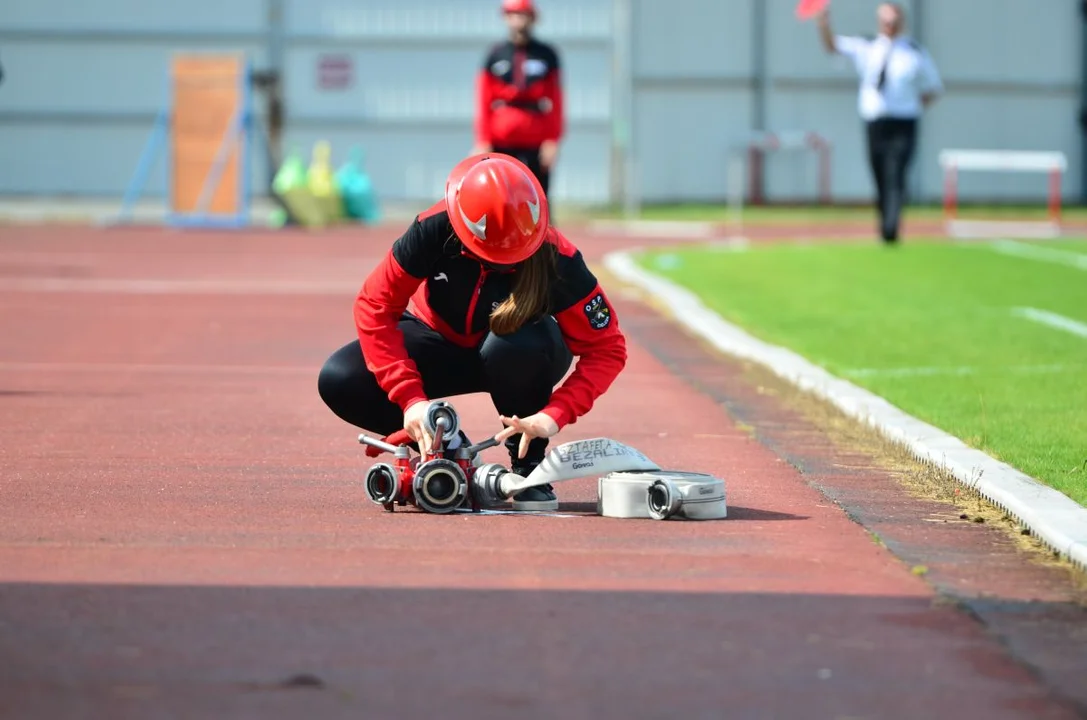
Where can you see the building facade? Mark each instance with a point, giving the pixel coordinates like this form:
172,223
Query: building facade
659,92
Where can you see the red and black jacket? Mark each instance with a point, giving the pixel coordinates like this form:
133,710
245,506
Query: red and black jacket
426,274
519,96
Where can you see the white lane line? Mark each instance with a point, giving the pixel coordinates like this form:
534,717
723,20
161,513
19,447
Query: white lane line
1044,254
961,370
1052,320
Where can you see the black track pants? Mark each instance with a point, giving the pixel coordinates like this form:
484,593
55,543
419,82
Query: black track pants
518,371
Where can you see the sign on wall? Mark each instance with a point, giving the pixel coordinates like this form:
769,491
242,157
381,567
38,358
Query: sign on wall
335,72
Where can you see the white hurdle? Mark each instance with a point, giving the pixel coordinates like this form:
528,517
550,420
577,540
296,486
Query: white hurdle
953,162
745,169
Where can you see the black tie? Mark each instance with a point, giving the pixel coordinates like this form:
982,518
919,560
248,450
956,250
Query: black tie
883,71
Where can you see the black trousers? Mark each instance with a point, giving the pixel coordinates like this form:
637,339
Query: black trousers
531,158
518,370
891,144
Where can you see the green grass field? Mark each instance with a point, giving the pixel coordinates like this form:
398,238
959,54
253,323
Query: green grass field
936,328
709,212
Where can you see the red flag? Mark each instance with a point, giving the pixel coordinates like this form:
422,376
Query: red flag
807,9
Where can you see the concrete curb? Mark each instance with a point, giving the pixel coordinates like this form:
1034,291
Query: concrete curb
1051,516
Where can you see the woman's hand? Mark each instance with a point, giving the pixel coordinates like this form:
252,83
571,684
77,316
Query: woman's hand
415,425
539,425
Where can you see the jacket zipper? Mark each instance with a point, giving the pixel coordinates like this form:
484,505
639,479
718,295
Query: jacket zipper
474,300
519,70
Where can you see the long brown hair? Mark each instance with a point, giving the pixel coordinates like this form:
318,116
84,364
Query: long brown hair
531,292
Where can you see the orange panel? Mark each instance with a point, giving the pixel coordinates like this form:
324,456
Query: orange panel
207,93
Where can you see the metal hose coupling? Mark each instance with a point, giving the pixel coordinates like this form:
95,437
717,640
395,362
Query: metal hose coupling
487,484
438,410
383,484
439,486
664,499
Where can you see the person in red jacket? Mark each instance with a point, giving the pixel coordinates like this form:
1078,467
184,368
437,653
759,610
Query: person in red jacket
519,96
480,294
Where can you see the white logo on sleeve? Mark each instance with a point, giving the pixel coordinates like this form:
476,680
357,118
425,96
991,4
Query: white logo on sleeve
441,276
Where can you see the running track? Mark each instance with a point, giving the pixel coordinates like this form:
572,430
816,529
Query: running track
183,532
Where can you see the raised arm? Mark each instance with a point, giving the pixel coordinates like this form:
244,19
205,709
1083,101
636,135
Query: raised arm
849,46
826,34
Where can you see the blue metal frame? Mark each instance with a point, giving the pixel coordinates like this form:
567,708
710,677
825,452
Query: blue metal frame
159,132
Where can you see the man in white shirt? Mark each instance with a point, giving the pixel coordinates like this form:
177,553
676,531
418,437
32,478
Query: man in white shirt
898,80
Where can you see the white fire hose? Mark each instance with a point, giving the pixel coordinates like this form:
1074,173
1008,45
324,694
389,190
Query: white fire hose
630,485
661,495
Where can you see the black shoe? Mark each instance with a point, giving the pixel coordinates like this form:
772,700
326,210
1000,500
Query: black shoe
539,498
536,499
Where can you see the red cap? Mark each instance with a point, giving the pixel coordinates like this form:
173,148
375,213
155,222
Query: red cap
519,6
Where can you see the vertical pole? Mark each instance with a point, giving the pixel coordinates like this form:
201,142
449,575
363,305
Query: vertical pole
276,62
824,172
735,179
758,101
618,146
625,103
758,65
1083,100
1055,195
755,158
950,191
916,181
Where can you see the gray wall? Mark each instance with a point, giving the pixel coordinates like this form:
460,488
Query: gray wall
412,105
83,82
82,88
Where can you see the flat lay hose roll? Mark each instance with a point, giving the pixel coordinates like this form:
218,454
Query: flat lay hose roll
662,495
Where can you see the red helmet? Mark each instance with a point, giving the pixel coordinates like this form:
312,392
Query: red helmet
519,6
497,208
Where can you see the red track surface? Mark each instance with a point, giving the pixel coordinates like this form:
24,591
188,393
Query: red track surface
183,532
